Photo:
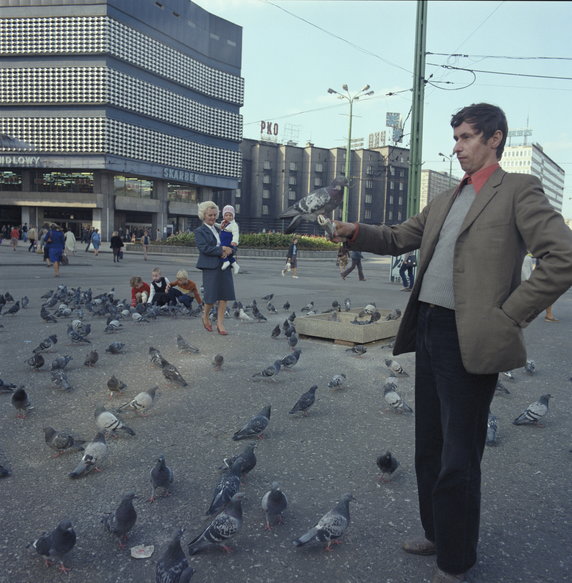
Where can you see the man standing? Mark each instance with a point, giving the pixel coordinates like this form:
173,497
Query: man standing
465,319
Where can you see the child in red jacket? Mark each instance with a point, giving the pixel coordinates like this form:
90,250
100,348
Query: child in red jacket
139,291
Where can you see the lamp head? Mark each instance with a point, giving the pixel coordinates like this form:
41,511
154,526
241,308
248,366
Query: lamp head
345,87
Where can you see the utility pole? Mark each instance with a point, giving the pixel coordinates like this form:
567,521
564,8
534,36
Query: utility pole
417,110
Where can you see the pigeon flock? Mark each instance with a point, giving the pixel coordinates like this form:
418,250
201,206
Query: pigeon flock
113,375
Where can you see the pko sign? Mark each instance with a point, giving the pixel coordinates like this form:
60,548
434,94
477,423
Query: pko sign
269,127
179,175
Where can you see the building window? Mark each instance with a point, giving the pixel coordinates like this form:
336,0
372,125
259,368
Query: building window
181,193
266,179
132,186
400,201
368,199
369,171
267,165
369,184
293,166
291,195
391,185
237,207
391,199
319,167
237,193
292,180
401,186
11,181
63,182
367,214
390,216
399,215
317,181
265,193
265,209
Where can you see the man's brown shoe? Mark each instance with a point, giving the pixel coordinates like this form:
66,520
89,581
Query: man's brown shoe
419,546
442,577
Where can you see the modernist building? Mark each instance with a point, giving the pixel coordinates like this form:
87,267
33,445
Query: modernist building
275,176
116,113
433,183
531,159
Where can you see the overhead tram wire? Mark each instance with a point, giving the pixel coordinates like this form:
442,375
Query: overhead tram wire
451,67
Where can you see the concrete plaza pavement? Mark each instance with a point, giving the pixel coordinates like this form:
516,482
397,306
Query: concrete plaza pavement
525,527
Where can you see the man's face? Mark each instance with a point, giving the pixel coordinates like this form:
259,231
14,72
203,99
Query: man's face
471,151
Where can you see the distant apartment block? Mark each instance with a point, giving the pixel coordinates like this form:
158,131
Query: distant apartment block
434,183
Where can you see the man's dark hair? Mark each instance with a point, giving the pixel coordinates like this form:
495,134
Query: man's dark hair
484,118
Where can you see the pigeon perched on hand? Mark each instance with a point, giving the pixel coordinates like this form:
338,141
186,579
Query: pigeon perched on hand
56,544
331,526
227,487
305,401
395,367
161,479
91,359
319,202
255,426
534,412
274,503
222,528
492,429
388,465
184,346
122,520
268,372
115,385
393,398
21,403
337,381
142,402
173,566
171,373
115,348
108,422
61,441
94,453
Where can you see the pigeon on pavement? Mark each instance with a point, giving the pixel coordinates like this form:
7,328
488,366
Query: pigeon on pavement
91,358
6,387
395,367
115,385
305,401
13,309
161,479
95,452
255,426
46,316
56,544
155,357
142,402
388,465
222,528
21,403
509,375
276,331
268,372
184,346
501,389
530,367
337,381
291,359
36,362
171,373
227,487
115,348
358,349
122,520
534,412
61,362
173,564
108,422
268,297
393,398
60,379
218,361
492,429
274,503
61,441
46,344
246,459
319,202
331,526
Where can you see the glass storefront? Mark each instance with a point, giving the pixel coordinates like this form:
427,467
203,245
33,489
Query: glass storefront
182,193
62,182
10,180
131,186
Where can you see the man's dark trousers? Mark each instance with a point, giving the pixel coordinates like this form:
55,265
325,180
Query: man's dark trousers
452,408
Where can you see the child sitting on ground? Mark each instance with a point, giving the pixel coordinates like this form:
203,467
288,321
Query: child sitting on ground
139,291
229,237
181,289
159,283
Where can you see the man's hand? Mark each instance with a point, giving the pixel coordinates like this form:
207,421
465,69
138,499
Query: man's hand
343,231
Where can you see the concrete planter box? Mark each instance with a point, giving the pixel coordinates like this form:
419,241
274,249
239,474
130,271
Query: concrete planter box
342,331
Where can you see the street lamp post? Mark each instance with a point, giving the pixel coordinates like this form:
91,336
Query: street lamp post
350,99
450,158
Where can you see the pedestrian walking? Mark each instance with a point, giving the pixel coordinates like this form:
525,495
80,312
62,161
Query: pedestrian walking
96,241
32,237
145,241
70,242
408,263
292,259
356,258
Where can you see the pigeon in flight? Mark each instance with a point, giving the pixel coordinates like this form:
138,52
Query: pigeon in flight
274,503
161,479
61,441
173,566
255,426
393,398
95,452
122,520
319,202
534,412
305,401
337,381
56,544
142,402
492,429
331,526
269,372
108,422
222,528
388,464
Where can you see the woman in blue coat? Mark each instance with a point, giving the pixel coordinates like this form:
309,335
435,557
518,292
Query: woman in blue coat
56,241
217,283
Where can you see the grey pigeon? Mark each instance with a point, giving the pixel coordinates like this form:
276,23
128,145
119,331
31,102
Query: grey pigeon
171,373
226,488
184,346
120,522
271,308
115,385
61,441
56,544
46,344
218,361
255,426
293,340
268,297
21,403
337,381
331,526
4,472
305,401
530,367
36,362
291,359
60,379
155,357
274,503
276,331
115,348
8,297
492,430
246,459
61,362
13,309
95,452
358,349
268,372
308,307
388,464
221,529
501,389
393,398
534,412
393,315
6,387
108,422
286,306
112,326
25,301
347,304
319,202
161,479
173,564
395,367
142,402
91,358
46,316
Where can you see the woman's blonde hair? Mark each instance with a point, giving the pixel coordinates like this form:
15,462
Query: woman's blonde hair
204,206
182,274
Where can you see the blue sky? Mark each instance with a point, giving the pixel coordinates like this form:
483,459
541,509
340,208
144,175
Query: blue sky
289,64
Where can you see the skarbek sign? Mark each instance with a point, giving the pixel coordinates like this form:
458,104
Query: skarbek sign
19,160
179,175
